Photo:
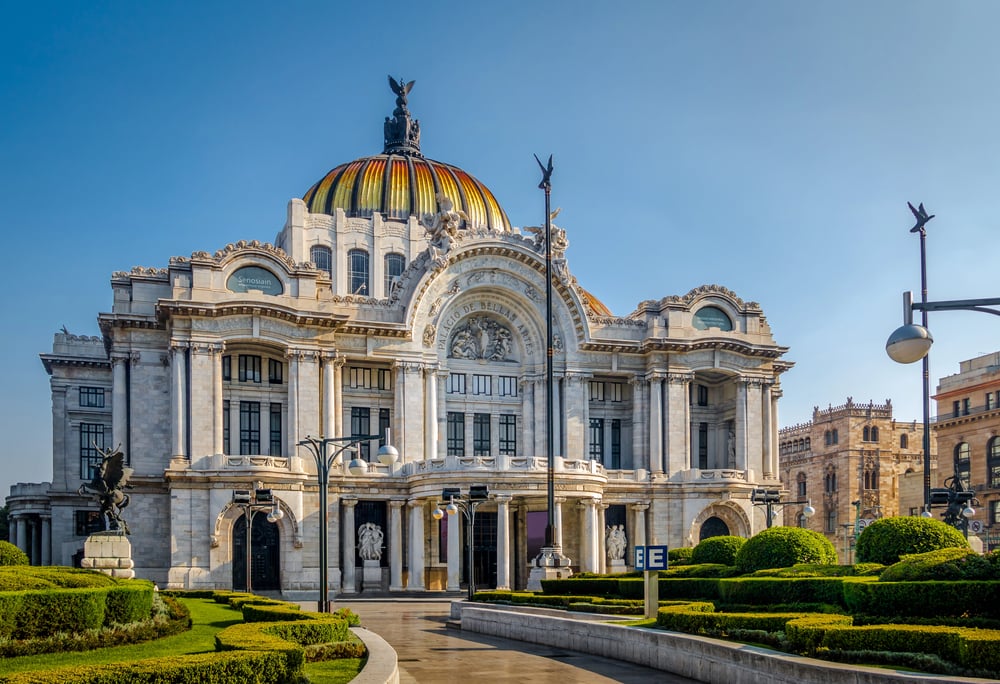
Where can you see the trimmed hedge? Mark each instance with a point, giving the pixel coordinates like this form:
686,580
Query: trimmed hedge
696,617
680,555
589,586
15,578
944,564
782,547
770,590
887,540
923,599
670,588
721,550
130,601
59,610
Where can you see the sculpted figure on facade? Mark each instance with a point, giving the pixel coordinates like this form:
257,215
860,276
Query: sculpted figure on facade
110,479
482,338
370,541
615,542
442,228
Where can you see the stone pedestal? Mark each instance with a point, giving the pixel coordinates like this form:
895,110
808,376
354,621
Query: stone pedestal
617,566
550,564
110,553
371,575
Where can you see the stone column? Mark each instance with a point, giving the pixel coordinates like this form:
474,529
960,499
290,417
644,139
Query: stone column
119,401
395,545
765,431
741,424
217,423
575,437
541,415
557,420
46,541
678,426
503,541
349,548
178,399
656,423
753,455
601,539
639,458
772,470
557,503
330,408
415,580
584,393
399,390
454,552
291,443
22,534
526,424
338,398
442,414
638,536
430,413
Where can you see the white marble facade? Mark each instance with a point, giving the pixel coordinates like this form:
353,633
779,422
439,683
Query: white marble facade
665,419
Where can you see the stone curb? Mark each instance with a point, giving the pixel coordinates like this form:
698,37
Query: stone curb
382,666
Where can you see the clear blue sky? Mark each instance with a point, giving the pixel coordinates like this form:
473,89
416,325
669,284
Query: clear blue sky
769,147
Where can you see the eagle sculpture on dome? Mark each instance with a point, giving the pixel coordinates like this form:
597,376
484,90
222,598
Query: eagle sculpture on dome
401,90
110,478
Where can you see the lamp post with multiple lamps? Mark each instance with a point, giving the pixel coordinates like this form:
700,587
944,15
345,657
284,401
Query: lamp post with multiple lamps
252,502
769,498
467,505
911,343
325,458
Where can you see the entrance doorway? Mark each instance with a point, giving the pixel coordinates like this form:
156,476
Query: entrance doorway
265,555
484,544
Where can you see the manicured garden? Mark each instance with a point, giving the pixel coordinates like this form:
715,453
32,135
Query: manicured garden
81,627
919,597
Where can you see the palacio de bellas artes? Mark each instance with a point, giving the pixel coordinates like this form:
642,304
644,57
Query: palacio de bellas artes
398,303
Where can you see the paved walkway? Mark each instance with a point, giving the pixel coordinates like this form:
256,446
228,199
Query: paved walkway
432,653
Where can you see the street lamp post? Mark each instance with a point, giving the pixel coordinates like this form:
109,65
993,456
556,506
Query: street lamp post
318,448
911,343
467,505
252,502
769,498
958,500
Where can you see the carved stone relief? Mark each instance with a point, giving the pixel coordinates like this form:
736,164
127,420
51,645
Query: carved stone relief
480,337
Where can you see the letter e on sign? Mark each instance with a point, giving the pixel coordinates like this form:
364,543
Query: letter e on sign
640,557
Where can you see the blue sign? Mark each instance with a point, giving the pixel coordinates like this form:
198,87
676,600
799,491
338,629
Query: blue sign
650,557
254,278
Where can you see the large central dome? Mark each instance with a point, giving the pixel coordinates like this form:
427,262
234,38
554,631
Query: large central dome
401,182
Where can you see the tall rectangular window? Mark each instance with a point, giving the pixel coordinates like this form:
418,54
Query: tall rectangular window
507,386
615,389
394,265
91,439
225,427
275,430
481,434
955,409
966,406
323,258
508,435
596,390
703,446
596,442
249,368
456,383
995,512
702,395
361,424
227,367
383,425
616,443
384,379
92,397
482,384
249,427
357,272
361,378
274,371
456,434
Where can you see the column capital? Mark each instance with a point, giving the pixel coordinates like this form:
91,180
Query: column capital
639,507
430,370
503,498
349,501
589,501
177,346
207,348
416,503
332,358
396,503
679,378
577,376
656,376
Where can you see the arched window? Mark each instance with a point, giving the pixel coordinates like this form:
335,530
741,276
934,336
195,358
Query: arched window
394,264
904,441
808,443
357,272
322,257
800,520
800,482
962,453
874,433
871,475
993,463
830,481
867,434
831,520
826,438
834,435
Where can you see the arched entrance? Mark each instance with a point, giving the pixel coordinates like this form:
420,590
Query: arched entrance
265,556
713,527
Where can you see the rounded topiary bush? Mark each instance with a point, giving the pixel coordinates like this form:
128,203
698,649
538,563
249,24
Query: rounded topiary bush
888,539
943,564
783,547
680,555
721,550
11,555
